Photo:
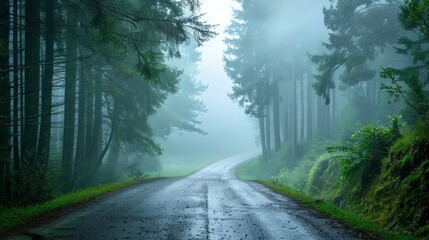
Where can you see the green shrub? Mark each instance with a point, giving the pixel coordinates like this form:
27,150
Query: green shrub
297,176
362,157
323,178
400,196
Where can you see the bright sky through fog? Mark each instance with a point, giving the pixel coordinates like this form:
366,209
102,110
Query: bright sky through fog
229,129
225,121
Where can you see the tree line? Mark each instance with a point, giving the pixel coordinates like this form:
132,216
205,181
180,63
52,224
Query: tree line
302,90
78,77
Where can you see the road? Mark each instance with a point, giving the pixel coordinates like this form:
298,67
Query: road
210,204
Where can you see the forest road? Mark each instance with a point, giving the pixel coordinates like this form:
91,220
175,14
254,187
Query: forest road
210,204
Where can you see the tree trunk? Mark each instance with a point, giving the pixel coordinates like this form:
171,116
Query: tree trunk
15,132
22,79
334,111
69,97
96,136
80,144
309,110
276,112
5,101
288,111
327,117
294,113
32,81
262,135
45,127
319,119
286,118
112,160
89,119
302,108
268,129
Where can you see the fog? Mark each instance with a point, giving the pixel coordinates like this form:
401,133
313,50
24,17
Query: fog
229,130
96,92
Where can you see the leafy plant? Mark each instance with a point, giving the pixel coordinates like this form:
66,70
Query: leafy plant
361,158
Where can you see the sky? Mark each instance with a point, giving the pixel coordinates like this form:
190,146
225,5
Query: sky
229,130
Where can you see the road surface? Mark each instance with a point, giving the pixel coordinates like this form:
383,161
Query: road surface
210,204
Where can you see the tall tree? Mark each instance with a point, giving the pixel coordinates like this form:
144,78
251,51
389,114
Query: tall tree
413,17
309,108
99,37
247,64
32,82
70,94
5,97
16,84
358,34
45,125
276,110
180,110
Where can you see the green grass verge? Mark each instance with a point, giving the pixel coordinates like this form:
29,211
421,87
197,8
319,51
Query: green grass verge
11,218
247,169
351,219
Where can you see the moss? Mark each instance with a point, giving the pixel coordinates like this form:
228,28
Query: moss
400,196
324,178
352,219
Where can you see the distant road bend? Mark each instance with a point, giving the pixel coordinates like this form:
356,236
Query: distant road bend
210,204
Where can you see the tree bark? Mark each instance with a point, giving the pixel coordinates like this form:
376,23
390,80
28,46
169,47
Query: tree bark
302,132
32,81
89,119
268,129
334,112
80,144
262,135
5,101
112,160
276,112
327,118
15,129
294,113
97,127
309,110
319,119
70,97
45,127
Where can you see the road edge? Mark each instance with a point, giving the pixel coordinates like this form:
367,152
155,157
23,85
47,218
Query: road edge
50,214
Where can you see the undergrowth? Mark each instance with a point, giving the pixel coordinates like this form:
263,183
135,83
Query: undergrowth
380,172
352,219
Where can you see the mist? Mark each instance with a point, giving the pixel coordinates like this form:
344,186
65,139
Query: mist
206,100
228,130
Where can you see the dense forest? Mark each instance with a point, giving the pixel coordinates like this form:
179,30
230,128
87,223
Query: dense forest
345,119
81,80
341,106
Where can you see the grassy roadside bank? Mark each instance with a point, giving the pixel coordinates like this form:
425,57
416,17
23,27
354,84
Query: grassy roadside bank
13,220
353,220
251,170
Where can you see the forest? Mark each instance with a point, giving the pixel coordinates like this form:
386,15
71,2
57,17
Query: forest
80,80
341,105
344,119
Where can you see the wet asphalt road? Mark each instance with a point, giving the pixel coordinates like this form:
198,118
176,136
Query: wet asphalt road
210,204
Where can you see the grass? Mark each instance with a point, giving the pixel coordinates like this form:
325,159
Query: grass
11,218
246,170
351,219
